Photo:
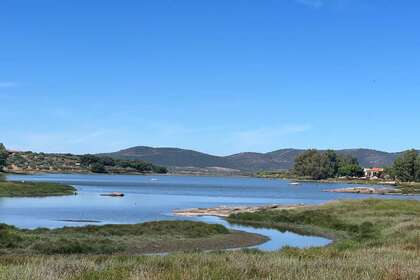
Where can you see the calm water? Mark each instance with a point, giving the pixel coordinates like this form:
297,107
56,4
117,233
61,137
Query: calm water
149,198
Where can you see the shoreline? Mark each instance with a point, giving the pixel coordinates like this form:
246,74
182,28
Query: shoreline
226,211
404,188
369,190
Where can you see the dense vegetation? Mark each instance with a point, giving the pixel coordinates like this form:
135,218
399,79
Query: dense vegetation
322,165
3,156
32,189
43,162
406,168
375,240
151,237
100,164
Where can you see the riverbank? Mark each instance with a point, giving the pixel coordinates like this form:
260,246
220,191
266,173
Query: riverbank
137,239
34,189
366,190
375,240
399,187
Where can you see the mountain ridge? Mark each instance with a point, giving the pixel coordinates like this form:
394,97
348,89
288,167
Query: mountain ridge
247,161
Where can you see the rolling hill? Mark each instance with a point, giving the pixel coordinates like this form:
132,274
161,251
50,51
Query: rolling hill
276,160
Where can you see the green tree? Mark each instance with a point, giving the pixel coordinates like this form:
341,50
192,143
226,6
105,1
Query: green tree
322,165
160,169
349,166
312,164
417,169
3,156
89,160
350,170
98,167
406,167
331,163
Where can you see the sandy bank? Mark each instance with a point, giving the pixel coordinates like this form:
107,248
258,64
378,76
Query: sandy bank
225,211
364,190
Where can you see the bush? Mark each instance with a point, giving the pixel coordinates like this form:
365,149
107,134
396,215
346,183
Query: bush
367,231
9,237
98,168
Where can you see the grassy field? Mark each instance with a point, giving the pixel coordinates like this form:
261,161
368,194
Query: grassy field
146,238
31,189
374,239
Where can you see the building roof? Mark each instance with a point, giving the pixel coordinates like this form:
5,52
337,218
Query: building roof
374,169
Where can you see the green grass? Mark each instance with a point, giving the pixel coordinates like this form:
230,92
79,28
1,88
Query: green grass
151,237
31,189
409,188
186,229
374,239
359,223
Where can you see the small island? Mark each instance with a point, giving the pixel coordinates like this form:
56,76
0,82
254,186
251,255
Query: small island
34,189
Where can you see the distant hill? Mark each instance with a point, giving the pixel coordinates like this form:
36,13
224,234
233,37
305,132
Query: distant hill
169,156
276,160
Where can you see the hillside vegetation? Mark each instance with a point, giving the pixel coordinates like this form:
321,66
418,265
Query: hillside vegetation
181,160
273,161
43,162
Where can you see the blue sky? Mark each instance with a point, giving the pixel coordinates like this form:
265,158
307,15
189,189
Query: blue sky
217,76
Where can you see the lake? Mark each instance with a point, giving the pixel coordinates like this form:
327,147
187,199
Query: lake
151,198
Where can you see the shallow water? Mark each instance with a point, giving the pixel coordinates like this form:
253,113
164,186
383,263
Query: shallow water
278,239
150,198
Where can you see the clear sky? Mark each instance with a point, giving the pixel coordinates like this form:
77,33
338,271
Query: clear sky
87,76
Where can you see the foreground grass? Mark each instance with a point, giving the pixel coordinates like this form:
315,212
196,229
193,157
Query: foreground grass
152,237
364,264
375,239
32,189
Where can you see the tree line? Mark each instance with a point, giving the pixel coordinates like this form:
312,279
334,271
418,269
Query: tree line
3,156
319,165
98,164
406,167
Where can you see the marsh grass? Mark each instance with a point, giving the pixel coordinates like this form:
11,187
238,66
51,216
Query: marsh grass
375,239
379,263
34,189
151,237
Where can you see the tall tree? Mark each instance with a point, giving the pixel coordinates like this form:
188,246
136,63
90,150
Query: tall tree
417,169
349,166
312,164
406,167
3,156
321,165
331,164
